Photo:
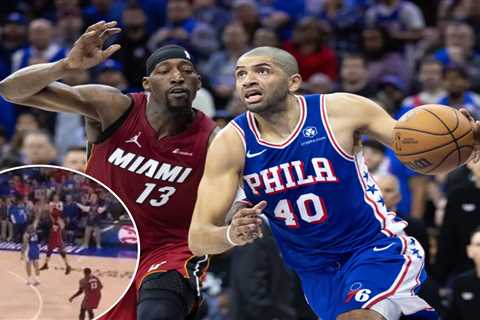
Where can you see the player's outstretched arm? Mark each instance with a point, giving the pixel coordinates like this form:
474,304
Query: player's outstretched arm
363,116
224,165
38,85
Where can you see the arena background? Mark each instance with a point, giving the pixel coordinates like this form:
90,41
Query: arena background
399,53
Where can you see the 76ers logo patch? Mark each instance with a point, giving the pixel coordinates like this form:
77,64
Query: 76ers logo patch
356,292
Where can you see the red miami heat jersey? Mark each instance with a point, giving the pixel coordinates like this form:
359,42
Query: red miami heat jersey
156,178
92,289
56,210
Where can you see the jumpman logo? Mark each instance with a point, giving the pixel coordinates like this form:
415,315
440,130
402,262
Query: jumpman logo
134,139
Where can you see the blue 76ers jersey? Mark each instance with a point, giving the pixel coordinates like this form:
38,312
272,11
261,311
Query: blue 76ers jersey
33,249
322,202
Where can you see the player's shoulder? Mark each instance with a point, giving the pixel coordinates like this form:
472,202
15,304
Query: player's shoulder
347,104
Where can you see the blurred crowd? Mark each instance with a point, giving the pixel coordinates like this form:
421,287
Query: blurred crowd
399,53
27,196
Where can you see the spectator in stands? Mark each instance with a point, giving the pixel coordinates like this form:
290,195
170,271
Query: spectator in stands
110,73
281,16
107,10
41,46
18,215
390,94
381,57
309,47
457,84
344,19
209,12
430,78
317,83
390,189
133,39
466,287
75,158
265,37
66,7
354,76
6,231
402,19
25,122
93,213
462,216
71,213
179,27
220,68
70,26
246,12
374,155
13,35
37,148
459,49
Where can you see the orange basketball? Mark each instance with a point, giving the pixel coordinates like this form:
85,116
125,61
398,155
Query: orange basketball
433,139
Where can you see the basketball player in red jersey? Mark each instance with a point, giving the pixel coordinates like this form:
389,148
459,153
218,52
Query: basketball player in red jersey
91,286
56,208
55,238
150,148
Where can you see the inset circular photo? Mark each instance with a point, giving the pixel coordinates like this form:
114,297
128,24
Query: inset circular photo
68,245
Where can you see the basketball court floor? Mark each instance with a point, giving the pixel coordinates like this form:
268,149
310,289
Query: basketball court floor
49,300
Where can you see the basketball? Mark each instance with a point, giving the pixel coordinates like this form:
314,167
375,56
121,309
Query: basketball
433,139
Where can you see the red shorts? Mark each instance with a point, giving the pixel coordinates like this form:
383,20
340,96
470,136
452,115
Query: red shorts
158,260
54,242
91,301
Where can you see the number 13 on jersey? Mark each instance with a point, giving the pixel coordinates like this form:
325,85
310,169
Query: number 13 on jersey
155,201
310,208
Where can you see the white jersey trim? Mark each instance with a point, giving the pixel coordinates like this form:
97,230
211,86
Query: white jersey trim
240,133
301,122
401,292
328,127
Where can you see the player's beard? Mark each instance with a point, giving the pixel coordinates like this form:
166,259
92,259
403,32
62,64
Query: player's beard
179,106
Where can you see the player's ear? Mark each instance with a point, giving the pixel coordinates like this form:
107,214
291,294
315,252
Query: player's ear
294,82
146,84
199,82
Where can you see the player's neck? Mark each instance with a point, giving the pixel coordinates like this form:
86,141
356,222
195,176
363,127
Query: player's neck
165,122
280,123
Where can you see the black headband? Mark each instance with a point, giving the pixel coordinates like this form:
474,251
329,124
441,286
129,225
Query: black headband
170,51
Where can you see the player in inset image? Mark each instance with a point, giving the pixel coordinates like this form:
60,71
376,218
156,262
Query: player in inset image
55,240
31,252
91,286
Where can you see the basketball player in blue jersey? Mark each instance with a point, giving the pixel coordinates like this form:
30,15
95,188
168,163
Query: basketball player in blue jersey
298,160
31,252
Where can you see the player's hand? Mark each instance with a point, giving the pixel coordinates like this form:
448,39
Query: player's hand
88,51
476,133
246,225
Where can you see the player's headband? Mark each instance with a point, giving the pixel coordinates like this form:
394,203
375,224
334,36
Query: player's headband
170,51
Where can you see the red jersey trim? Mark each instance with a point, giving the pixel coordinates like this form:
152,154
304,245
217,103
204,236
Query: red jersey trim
303,116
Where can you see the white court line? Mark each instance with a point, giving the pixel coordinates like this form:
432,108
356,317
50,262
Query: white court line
39,295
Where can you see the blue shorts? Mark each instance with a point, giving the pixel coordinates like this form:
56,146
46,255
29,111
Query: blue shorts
33,254
383,276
